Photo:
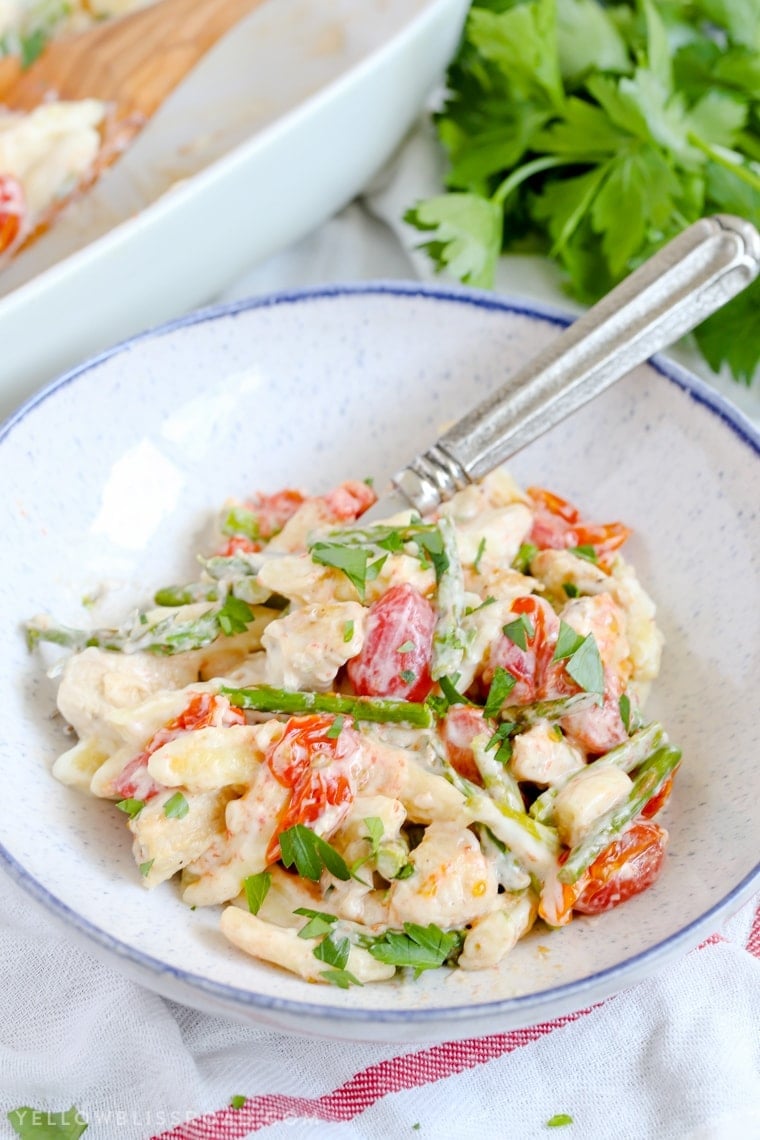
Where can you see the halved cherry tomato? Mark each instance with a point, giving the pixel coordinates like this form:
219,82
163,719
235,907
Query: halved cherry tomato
458,729
315,766
12,210
628,866
204,709
398,644
557,524
350,500
658,801
599,727
238,544
531,667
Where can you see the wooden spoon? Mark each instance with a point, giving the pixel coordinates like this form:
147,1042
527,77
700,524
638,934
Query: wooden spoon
132,63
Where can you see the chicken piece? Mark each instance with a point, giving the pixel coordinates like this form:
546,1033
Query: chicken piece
452,883
556,569
586,797
96,682
492,539
306,648
164,845
645,640
304,581
543,756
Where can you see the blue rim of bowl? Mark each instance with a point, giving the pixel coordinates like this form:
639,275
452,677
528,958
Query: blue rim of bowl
612,978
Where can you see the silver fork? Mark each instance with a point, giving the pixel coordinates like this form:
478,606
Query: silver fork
670,294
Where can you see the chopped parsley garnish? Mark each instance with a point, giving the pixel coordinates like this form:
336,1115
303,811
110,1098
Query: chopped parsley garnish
256,889
559,1120
235,616
333,950
408,676
131,807
237,1101
479,555
586,551
450,691
39,1124
568,642
145,868
524,557
571,589
354,561
348,631
176,807
419,947
309,853
319,922
624,704
502,741
336,727
501,686
375,831
405,647
585,666
520,631
341,978
405,871
241,521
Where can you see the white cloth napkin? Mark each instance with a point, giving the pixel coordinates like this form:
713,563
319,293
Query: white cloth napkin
676,1056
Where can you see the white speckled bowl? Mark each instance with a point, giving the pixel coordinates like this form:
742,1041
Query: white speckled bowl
108,475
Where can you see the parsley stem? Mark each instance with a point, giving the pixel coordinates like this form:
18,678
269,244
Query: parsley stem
526,171
265,698
721,157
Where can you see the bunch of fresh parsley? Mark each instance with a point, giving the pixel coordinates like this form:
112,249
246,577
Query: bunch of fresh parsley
595,132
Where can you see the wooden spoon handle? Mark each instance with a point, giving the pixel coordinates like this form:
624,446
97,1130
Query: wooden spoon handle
132,63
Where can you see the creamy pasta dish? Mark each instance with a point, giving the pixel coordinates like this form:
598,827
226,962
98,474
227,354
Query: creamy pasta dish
385,745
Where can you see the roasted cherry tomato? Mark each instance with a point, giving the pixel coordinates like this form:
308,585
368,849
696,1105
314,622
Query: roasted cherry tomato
398,643
12,210
536,626
557,525
312,759
350,500
657,802
204,709
458,729
628,866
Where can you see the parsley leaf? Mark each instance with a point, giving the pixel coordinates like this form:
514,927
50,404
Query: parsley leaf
352,560
333,950
176,807
520,631
568,642
38,1124
595,132
501,686
419,947
235,616
502,741
237,1101
256,889
559,1120
319,922
131,807
145,868
585,666
341,978
309,853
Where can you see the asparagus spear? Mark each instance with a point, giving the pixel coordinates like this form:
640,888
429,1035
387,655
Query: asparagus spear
626,756
448,636
265,698
651,776
556,709
152,631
